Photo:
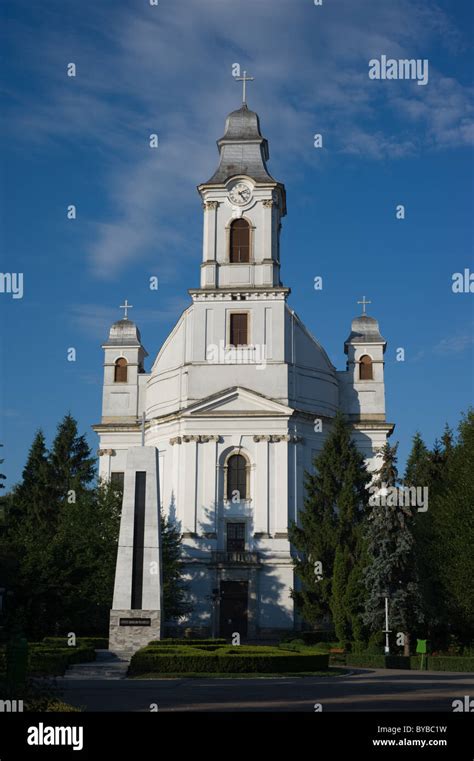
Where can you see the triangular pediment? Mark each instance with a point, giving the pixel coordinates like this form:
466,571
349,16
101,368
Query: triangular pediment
237,401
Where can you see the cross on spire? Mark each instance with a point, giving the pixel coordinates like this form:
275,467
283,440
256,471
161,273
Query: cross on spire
126,307
244,81
364,303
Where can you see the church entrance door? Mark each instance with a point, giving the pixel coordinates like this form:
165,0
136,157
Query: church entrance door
233,608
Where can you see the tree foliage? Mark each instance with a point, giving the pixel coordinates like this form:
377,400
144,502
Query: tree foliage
328,531
391,571
60,542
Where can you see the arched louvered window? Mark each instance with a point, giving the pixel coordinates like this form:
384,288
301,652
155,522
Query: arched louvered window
239,241
365,368
120,375
236,478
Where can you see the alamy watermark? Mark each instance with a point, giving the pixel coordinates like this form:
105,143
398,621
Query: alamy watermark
220,354
12,282
401,68
399,496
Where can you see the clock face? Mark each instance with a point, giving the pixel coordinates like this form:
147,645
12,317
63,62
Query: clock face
240,194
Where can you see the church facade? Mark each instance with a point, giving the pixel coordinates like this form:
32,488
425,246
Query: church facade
239,400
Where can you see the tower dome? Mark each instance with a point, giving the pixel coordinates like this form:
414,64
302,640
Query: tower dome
243,150
364,329
124,332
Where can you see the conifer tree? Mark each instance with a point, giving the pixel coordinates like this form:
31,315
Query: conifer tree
175,604
333,507
31,525
71,461
391,549
2,475
452,535
418,467
85,554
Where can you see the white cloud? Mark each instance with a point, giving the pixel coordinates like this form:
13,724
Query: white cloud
167,69
454,344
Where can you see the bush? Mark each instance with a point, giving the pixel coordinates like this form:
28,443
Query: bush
430,662
47,663
58,706
311,638
228,659
53,661
186,642
443,663
97,643
358,647
378,661
397,661
365,660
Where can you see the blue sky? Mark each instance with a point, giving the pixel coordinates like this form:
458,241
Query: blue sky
167,69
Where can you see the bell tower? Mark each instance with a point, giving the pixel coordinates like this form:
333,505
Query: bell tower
243,207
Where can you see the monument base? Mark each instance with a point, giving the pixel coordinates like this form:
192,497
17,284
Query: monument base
130,630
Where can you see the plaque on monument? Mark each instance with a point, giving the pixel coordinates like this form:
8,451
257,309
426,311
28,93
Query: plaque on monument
135,622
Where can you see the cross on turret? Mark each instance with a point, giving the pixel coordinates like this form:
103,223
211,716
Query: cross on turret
126,307
364,303
244,81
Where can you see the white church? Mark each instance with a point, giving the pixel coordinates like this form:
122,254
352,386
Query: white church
239,400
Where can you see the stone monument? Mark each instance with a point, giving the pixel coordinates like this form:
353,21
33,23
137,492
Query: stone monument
135,618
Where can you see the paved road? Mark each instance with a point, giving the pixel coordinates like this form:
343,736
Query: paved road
364,690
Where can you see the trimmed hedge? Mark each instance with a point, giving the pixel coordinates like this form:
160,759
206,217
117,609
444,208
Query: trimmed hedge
97,643
378,661
430,662
227,659
54,661
443,663
190,642
47,663
367,661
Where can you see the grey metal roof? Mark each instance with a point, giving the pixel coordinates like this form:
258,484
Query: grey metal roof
242,149
124,333
364,329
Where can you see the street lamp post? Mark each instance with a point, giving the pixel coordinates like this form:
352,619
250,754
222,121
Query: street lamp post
386,631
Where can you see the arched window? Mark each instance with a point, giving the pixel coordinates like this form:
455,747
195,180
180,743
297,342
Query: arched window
365,368
239,241
120,375
236,478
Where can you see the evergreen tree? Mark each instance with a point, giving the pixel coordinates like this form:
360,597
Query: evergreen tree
447,440
391,549
35,524
31,525
452,536
333,507
341,617
418,467
175,604
71,461
2,476
33,498
85,555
